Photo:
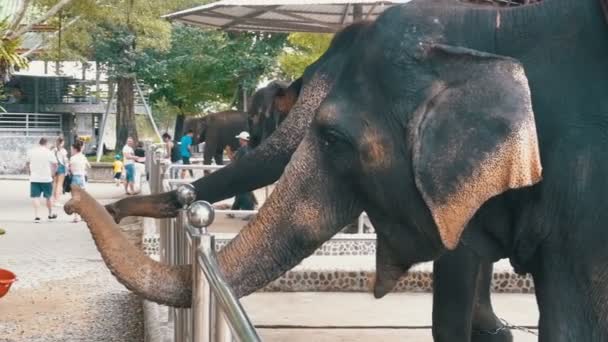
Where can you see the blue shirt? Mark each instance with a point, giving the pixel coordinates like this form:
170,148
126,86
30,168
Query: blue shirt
185,143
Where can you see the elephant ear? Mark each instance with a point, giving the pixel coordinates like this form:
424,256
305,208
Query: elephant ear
474,139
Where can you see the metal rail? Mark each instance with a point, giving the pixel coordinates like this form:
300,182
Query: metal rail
216,314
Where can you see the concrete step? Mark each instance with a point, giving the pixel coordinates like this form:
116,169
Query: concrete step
357,317
362,335
396,310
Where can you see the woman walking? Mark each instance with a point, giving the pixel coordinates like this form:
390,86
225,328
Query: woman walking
62,168
78,168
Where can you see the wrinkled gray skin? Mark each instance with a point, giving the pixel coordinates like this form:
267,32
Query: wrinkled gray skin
217,130
430,134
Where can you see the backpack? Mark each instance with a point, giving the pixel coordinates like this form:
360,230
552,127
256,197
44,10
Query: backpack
175,152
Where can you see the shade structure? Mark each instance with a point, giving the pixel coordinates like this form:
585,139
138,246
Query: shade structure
323,16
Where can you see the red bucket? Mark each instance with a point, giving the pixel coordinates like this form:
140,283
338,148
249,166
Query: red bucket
7,278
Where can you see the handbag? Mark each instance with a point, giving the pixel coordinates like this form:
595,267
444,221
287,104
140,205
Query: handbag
67,182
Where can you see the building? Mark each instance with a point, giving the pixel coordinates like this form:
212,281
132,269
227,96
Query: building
50,105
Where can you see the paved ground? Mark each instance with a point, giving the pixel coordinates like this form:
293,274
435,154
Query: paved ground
358,317
64,291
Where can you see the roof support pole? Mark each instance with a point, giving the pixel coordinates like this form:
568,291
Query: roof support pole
357,12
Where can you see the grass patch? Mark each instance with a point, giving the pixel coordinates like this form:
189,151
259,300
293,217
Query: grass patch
106,158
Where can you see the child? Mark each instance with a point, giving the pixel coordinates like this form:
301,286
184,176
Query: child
117,169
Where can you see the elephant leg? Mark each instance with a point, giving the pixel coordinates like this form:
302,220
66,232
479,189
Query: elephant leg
462,310
486,326
455,280
219,158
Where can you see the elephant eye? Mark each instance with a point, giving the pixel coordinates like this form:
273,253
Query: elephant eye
332,137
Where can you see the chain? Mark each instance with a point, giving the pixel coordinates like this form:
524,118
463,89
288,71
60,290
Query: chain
505,325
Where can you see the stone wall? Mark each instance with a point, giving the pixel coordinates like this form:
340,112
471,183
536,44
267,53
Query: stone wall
13,153
101,172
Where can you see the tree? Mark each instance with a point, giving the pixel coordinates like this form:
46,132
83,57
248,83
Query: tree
303,49
204,69
116,33
15,26
9,58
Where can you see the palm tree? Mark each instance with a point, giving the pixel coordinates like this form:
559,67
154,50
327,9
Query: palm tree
9,57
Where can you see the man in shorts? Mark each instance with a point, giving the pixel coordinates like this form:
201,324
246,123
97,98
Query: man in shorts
41,164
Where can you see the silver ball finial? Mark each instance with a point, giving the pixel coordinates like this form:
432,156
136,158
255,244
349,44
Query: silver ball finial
186,194
201,214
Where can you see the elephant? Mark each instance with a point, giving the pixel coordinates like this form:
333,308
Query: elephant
456,127
269,107
273,155
217,130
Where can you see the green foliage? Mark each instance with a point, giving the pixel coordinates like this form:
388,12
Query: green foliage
303,49
9,58
206,67
114,32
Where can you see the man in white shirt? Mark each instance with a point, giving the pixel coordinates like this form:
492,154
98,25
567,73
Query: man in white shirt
41,164
129,163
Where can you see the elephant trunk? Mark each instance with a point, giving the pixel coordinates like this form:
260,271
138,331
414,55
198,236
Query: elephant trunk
308,206
157,205
161,283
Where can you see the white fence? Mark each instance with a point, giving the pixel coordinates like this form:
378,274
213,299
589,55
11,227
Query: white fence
30,124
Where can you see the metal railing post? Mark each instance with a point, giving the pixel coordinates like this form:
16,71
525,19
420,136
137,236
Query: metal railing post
202,298
216,314
200,216
185,195
222,329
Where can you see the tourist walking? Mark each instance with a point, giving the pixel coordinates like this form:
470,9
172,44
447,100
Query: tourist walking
41,164
186,151
129,161
61,155
78,168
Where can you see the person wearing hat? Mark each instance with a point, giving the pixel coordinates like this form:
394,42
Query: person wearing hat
243,145
244,201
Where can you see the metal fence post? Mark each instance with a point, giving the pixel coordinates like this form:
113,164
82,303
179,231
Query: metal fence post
200,216
185,196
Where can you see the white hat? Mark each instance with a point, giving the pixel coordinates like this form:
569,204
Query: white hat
243,135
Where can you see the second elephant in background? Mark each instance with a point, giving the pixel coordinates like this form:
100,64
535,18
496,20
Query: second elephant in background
217,130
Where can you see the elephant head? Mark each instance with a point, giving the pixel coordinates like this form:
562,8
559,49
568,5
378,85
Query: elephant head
269,107
415,131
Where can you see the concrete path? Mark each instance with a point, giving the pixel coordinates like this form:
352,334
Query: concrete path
64,291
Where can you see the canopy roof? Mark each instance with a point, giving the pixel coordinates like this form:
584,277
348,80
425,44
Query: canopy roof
283,15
